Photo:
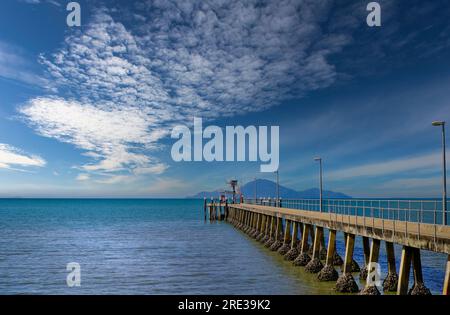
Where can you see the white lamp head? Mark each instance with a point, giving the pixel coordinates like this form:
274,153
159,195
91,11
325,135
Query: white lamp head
438,123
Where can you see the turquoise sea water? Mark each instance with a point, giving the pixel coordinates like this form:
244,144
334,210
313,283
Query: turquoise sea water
147,247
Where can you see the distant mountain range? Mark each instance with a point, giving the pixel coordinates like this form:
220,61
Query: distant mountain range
267,188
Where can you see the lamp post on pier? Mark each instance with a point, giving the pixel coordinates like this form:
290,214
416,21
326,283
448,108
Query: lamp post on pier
444,175
319,159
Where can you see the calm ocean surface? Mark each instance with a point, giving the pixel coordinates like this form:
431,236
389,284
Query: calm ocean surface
147,247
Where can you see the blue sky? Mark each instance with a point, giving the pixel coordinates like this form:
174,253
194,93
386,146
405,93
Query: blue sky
88,111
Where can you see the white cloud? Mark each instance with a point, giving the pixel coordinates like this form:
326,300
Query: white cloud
83,177
116,179
108,135
11,157
400,165
155,169
209,59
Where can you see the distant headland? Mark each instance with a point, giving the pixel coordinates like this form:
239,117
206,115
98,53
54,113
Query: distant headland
267,189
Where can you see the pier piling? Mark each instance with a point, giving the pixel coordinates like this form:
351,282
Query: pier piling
303,259
405,265
346,283
370,288
293,252
278,236
315,265
446,290
366,250
328,273
272,232
419,287
390,283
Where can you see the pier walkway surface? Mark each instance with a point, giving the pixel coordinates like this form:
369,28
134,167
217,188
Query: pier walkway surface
295,228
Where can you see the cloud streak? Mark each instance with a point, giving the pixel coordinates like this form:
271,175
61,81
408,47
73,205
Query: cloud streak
395,166
409,183
14,66
11,157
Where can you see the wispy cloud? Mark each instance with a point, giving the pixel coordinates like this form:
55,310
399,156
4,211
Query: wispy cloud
54,2
31,1
409,183
395,166
109,136
83,177
15,66
11,157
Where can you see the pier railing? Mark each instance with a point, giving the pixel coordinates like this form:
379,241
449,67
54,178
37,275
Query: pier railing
418,211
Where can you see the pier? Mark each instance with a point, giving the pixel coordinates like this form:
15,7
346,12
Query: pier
295,229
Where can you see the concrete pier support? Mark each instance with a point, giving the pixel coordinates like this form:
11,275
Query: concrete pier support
303,259
328,273
346,283
239,219
419,287
323,248
205,208
337,259
268,229
262,228
286,239
249,227
249,223
271,239
405,265
244,220
266,232
371,288
390,283
366,249
252,228
212,215
354,267
278,236
446,290
294,250
409,255
310,248
315,265
255,231
247,219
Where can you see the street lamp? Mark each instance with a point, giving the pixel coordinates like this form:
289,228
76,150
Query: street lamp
278,188
444,178
319,159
